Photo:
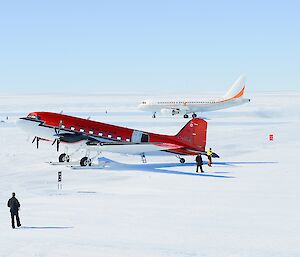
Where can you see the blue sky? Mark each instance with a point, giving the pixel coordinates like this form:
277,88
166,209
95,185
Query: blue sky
144,46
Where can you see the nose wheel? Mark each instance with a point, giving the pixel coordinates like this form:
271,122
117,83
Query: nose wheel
185,116
85,161
64,158
182,160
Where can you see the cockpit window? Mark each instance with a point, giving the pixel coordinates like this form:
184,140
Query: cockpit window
33,117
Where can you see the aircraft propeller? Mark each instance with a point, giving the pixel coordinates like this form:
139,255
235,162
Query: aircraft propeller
57,131
37,140
57,141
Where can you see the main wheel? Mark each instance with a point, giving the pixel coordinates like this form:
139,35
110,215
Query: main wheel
173,112
182,160
64,158
194,115
185,116
85,161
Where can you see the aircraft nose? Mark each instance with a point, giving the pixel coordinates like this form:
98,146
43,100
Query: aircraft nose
141,106
24,124
21,123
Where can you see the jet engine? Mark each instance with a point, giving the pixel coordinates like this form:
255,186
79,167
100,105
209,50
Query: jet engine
170,111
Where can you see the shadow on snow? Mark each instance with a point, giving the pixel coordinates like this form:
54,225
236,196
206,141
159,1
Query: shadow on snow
163,168
44,227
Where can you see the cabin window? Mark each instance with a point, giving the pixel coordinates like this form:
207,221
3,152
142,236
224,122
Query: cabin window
119,138
72,128
91,131
100,134
109,136
63,126
127,140
81,130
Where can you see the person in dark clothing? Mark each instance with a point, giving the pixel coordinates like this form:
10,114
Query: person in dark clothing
14,206
199,162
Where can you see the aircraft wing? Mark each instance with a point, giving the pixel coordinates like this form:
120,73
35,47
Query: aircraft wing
133,148
145,148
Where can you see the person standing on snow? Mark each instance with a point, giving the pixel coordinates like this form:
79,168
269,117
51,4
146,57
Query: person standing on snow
14,206
199,162
209,156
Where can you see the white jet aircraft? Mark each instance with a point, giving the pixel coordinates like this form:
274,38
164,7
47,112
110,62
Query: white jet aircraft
233,97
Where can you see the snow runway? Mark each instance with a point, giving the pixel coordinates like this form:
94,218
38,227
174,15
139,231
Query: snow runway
246,205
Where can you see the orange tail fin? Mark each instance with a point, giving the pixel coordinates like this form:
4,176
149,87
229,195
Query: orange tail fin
193,134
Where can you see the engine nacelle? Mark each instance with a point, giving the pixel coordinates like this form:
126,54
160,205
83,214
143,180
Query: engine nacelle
170,111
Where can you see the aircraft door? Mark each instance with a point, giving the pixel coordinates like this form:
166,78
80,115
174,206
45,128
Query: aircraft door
139,137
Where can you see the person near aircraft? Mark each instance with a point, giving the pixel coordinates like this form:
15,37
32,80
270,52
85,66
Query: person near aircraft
209,156
199,163
14,206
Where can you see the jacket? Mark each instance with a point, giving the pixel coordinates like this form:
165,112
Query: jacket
209,153
199,159
14,205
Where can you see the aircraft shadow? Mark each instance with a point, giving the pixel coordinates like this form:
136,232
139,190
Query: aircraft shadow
162,168
237,163
44,227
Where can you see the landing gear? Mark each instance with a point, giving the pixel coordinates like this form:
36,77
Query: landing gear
85,161
182,160
194,115
173,112
64,158
154,115
185,116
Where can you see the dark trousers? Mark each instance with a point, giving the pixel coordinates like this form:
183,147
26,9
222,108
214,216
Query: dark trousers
209,161
199,165
13,214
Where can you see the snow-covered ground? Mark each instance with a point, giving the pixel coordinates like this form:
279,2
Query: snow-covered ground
246,205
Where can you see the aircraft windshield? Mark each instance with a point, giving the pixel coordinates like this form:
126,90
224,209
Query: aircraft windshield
33,116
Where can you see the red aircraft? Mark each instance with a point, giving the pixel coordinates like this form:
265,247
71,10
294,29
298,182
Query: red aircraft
101,137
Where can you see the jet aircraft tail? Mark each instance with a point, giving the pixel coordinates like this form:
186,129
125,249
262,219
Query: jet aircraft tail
193,134
237,89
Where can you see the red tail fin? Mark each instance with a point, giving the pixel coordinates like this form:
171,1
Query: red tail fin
193,134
